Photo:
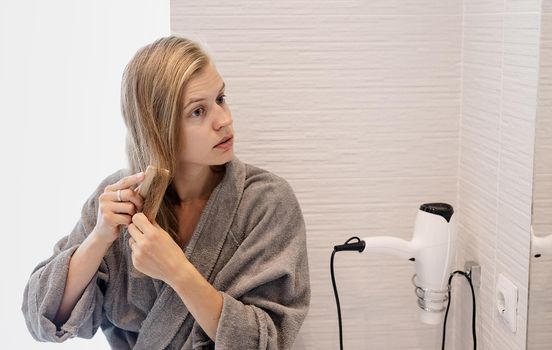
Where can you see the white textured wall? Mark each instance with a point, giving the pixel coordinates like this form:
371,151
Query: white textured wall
362,106
357,104
539,325
500,75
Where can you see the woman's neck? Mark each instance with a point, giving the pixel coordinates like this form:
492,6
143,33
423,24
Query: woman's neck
196,183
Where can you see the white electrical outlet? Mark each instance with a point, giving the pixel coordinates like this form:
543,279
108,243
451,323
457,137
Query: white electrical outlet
506,301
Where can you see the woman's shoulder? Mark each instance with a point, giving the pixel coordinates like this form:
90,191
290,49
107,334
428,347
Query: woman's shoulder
261,182
268,204
266,192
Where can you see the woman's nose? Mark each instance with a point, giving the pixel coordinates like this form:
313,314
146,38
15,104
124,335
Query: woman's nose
223,118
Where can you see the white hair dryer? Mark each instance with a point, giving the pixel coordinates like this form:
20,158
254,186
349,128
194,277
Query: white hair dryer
540,245
432,248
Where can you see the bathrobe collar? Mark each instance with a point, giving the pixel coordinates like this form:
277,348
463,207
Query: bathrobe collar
203,249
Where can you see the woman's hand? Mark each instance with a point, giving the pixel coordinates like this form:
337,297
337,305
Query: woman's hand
157,255
112,213
154,252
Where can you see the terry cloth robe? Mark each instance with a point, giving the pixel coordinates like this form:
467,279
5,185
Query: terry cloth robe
249,244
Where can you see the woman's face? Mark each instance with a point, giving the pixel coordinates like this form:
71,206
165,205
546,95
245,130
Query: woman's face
206,120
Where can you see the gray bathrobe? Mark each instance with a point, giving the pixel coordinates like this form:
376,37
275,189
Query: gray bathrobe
249,244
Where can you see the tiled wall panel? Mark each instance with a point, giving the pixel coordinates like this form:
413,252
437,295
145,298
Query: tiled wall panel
500,74
539,336
370,109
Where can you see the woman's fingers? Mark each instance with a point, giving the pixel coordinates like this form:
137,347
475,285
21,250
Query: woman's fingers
119,219
126,182
123,208
131,241
135,233
113,212
129,195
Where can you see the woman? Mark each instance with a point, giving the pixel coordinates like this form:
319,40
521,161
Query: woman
224,263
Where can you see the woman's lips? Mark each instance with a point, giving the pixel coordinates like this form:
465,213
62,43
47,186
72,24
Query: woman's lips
226,145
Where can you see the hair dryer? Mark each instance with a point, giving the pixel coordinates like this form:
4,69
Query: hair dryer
432,248
540,245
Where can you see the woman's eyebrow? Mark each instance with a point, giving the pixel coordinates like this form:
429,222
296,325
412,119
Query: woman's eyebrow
203,98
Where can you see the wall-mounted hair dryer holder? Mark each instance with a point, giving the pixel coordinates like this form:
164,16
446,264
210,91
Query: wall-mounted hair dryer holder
430,300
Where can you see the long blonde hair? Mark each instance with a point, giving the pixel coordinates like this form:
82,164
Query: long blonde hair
152,96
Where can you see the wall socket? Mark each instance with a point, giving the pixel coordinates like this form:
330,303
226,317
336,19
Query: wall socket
506,300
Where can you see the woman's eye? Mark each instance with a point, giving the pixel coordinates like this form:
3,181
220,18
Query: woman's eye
198,112
222,99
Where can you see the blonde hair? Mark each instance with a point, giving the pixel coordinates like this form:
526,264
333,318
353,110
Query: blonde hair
152,96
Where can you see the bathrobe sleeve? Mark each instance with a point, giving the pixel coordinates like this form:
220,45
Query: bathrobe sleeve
45,287
267,293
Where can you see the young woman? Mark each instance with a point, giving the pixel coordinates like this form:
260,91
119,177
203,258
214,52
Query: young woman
225,261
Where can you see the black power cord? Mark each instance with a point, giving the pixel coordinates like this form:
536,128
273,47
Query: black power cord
359,246
448,305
